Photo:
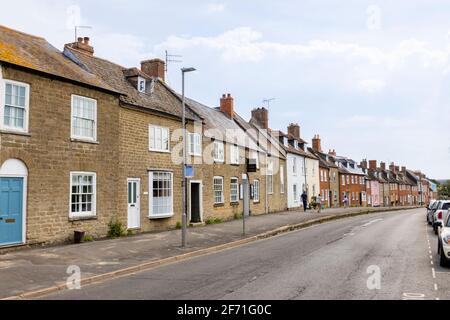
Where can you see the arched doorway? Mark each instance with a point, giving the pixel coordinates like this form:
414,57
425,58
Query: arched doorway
13,202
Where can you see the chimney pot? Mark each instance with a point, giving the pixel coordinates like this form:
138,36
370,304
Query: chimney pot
86,40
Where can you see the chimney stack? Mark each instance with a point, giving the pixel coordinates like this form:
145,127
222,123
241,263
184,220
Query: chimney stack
260,116
155,68
383,166
404,170
82,45
392,167
317,143
373,164
227,105
363,164
332,153
294,130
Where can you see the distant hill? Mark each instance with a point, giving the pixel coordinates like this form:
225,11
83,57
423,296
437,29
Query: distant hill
441,181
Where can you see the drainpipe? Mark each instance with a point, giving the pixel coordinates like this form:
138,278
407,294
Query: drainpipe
267,191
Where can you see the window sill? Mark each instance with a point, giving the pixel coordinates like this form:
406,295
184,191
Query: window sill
76,140
85,218
160,151
234,204
256,202
16,133
159,217
219,205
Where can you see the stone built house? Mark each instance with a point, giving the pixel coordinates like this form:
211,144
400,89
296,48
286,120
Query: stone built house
229,149
275,159
59,144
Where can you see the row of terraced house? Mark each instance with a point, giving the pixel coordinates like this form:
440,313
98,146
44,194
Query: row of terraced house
85,142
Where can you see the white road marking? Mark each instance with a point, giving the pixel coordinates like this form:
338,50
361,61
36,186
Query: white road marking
434,273
435,287
432,263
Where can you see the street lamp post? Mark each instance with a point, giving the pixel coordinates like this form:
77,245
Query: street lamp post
184,183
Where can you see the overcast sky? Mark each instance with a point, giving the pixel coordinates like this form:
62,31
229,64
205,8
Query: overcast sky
371,77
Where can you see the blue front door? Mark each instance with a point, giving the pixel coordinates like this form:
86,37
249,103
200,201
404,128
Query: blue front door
11,211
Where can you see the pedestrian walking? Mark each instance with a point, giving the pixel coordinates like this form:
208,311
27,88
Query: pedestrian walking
345,201
319,203
305,200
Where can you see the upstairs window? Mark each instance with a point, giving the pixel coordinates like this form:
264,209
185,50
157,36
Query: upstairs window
84,118
234,154
159,139
219,151
255,156
195,144
14,109
142,85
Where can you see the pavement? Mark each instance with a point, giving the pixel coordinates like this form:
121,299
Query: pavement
32,273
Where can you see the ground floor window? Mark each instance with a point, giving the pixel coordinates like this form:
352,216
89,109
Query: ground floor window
256,190
295,191
82,194
161,194
234,190
218,190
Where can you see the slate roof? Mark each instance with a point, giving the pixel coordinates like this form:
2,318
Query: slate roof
162,99
217,124
258,133
323,162
35,53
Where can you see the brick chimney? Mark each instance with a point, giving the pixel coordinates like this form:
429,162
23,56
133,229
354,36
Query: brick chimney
83,45
332,153
397,169
260,116
363,164
294,130
383,166
154,68
392,167
404,170
373,164
317,143
227,105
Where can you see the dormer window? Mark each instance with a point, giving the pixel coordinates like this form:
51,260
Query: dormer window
141,84
285,142
296,145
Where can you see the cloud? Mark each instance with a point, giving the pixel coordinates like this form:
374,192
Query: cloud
372,85
216,7
245,44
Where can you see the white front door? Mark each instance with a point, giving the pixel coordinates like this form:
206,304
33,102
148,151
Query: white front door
134,204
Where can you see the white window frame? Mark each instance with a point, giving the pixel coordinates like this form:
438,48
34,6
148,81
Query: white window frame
150,129
234,154
82,138
295,193
282,181
26,117
140,80
151,214
255,156
256,191
195,144
93,212
269,177
234,190
219,156
294,166
222,200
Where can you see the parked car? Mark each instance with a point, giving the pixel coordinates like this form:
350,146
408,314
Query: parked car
444,242
430,212
440,214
